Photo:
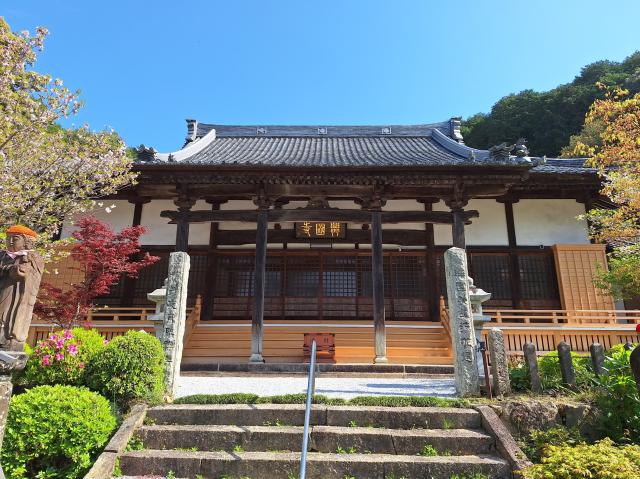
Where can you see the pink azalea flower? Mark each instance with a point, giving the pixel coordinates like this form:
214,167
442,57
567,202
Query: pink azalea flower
53,337
67,334
105,341
46,360
60,343
72,349
59,356
81,365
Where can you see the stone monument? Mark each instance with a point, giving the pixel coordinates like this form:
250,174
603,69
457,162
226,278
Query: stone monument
499,363
171,309
461,317
21,269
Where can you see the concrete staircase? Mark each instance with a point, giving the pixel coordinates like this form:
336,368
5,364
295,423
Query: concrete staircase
347,442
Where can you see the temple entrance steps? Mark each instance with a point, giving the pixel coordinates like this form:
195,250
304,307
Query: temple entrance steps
262,441
408,342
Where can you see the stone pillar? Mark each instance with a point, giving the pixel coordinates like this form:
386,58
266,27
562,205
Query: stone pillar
10,362
597,358
377,273
499,364
175,316
531,359
461,317
566,365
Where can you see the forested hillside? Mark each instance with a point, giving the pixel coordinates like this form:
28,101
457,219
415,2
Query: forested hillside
548,119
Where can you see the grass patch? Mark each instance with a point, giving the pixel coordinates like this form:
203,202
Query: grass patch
428,451
388,401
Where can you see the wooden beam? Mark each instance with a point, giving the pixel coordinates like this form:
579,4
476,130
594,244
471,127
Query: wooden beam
352,216
377,276
399,237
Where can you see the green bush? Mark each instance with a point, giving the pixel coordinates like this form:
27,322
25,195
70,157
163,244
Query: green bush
551,377
62,358
130,367
618,399
536,441
55,432
519,376
603,460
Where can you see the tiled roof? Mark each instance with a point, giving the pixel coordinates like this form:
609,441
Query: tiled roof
432,145
573,166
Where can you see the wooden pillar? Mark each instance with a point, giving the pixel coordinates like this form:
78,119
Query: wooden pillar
184,205
210,281
258,290
458,228
377,272
431,267
130,283
514,263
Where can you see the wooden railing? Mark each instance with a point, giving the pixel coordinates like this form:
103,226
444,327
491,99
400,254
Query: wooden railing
546,337
444,317
550,316
547,328
115,321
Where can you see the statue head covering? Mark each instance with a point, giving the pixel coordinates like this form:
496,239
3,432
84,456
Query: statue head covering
22,230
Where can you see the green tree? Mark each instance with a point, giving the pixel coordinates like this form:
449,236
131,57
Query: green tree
48,172
549,119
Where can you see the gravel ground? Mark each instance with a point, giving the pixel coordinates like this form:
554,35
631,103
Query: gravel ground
340,387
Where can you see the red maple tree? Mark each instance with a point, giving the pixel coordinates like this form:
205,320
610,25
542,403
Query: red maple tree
102,256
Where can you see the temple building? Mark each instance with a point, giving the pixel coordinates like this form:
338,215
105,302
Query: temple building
342,230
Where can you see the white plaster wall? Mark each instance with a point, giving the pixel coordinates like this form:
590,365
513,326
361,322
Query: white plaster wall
442,233
159,232
198,232
119,217
490,229
547,222
403,205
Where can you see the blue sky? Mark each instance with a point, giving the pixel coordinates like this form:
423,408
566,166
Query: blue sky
143,67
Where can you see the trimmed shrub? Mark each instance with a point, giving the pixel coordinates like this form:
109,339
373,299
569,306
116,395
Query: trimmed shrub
130,367
618,399
55,432
389,401
62,358
408,401
603,460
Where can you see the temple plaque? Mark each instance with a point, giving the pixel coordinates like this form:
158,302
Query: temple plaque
321,230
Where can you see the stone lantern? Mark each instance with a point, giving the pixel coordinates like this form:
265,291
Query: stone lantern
477,296
158,296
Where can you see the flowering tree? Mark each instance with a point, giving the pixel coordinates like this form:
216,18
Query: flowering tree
618,161
48,172
103,257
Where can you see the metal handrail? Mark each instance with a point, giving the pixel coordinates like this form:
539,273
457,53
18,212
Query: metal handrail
311,389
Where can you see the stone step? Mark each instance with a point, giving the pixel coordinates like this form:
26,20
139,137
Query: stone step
278,465
323,439
321,415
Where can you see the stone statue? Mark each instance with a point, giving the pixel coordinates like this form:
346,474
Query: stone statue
21,269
